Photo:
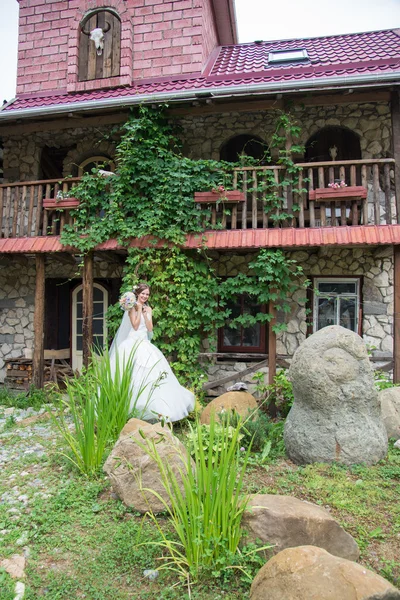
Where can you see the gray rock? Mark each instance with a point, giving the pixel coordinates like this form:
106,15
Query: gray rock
336,413
287,522
375,308
135,475
390,411
240,386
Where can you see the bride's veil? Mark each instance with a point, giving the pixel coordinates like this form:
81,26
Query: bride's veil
121,335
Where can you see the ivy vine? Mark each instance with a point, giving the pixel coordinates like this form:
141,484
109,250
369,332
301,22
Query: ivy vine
152,194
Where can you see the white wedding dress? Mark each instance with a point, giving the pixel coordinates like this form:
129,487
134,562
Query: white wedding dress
155,390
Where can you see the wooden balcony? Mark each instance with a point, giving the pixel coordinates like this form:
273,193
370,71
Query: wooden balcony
24,212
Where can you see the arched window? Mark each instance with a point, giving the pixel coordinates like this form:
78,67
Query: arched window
333,143
100,45
251,145
95,162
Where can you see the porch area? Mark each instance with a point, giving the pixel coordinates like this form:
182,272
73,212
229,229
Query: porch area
38,208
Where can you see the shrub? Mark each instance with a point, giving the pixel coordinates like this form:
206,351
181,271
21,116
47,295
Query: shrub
278,394
206,517
99,402
34,398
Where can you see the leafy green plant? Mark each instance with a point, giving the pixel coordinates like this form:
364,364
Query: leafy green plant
382,380
278,394
99,403
207,438
152,194
34,398
281,189
10,422
206,516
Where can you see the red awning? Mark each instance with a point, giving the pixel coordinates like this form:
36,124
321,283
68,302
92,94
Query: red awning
235,239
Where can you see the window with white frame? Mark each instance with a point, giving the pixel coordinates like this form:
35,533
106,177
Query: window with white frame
336,302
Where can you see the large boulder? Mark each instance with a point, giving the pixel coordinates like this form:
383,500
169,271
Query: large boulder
286,522
133,472
241,402
390,411
336,413
310,573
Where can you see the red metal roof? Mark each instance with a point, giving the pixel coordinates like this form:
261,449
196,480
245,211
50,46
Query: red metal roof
235,239
376,54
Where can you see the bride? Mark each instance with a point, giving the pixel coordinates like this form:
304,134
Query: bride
155,390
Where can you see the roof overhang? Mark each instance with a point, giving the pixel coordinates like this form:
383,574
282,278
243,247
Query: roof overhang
233,240
322,84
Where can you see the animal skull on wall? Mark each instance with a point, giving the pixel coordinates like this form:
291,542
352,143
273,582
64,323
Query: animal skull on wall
97,36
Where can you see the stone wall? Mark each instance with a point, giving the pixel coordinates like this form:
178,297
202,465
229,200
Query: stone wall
22,153
205,135
373,265
17,294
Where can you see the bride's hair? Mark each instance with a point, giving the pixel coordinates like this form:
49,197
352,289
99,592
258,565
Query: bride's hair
140,288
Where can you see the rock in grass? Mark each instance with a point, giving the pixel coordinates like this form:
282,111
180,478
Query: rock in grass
336,413
287,522
133,472
240,402
14,566
310,573
390,411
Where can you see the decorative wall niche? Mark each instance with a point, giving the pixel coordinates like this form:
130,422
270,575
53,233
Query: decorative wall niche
99,46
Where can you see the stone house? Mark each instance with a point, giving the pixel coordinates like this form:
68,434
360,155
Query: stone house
342,89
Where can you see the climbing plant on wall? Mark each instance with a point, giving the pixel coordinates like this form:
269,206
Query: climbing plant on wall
152,194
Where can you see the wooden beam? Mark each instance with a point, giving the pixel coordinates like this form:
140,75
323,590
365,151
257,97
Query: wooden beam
250,105
63,123
235,377
87,308
396,323
220,107
395,109
340,98
38,322
64,258
272,410
271,344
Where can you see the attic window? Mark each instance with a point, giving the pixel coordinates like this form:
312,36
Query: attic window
289,55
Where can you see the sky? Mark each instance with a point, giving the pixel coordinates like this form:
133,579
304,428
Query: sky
256,19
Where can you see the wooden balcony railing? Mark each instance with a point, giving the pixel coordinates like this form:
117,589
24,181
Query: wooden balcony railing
375,175
22,213
21,208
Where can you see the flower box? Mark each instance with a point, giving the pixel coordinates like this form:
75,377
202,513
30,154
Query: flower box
231,196
60,203
351,192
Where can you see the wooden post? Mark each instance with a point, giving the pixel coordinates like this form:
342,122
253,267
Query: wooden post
87,308
271,353
396,323
395,108
38,323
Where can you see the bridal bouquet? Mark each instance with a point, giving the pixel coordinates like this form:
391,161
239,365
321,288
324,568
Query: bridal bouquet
127,301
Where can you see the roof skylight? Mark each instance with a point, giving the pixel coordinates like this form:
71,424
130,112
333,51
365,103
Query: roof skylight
288,55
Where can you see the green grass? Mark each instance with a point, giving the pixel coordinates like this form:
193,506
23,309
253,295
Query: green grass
84,541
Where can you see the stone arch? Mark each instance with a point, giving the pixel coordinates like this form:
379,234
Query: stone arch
332,142
246,143
84,150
